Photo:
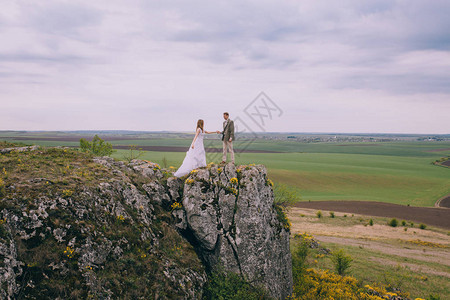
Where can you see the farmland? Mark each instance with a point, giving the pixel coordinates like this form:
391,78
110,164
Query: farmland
398,171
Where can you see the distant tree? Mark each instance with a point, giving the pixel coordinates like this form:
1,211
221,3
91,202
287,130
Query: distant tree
97,146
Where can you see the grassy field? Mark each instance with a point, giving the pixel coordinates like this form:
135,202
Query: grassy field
397,172
395,179
406,257
413,260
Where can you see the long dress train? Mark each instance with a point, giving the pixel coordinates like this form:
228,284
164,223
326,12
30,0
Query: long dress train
195,158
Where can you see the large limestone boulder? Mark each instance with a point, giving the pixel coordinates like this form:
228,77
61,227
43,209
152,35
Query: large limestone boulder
230,212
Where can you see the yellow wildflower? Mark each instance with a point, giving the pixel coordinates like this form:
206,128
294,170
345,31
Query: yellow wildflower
69,252
234,180
176,205
67,193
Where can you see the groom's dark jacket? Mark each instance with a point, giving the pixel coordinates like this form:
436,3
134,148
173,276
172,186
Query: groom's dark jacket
228,130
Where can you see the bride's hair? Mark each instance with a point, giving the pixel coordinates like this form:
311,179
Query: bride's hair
200,124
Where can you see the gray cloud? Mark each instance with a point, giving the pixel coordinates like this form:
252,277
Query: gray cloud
62,19
168,57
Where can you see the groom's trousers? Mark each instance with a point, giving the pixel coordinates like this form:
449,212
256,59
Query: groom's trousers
227,145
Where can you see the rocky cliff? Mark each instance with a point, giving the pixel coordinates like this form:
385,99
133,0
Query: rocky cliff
74,226
231,215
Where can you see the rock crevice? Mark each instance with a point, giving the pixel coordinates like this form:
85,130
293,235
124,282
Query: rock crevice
137,224
230,213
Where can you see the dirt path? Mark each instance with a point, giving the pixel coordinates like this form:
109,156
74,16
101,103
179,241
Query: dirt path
443,202
439,217
424,246
429,255
413,267
305,220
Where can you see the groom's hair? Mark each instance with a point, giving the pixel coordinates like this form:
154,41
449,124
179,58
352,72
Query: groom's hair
225,113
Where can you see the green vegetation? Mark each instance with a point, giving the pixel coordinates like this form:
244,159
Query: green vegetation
230,286
396,172
285,195
2,188
319,176
133,153
342,262
6,144
32,179
97,146
393,223
320,283
319,214
381,256
369,269
422,226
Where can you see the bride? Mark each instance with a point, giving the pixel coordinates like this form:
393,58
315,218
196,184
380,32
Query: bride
195,156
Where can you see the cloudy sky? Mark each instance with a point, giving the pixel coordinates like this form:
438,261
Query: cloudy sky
330,66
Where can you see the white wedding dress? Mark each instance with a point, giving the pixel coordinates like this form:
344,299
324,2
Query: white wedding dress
195,158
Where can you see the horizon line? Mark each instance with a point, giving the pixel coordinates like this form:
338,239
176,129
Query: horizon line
257,132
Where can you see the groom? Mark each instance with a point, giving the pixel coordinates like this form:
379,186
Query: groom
227,137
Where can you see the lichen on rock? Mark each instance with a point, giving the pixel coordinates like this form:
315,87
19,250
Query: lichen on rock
76,226
231,214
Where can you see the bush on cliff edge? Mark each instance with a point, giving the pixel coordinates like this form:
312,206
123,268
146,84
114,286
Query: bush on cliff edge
223,285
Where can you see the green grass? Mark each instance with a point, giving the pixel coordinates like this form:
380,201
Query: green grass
394,172
335,176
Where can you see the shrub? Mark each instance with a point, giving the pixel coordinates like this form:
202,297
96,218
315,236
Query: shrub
164,162
282,217
299,266
371,222
97,146
342,262
2,188
319,214
422,226
285,195
230,286
403,223
393,222
331,214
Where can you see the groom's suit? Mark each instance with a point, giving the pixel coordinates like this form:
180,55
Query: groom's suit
227,134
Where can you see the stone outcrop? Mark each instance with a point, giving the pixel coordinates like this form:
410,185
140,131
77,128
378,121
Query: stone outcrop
231,215
142,225
109,241
19,149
